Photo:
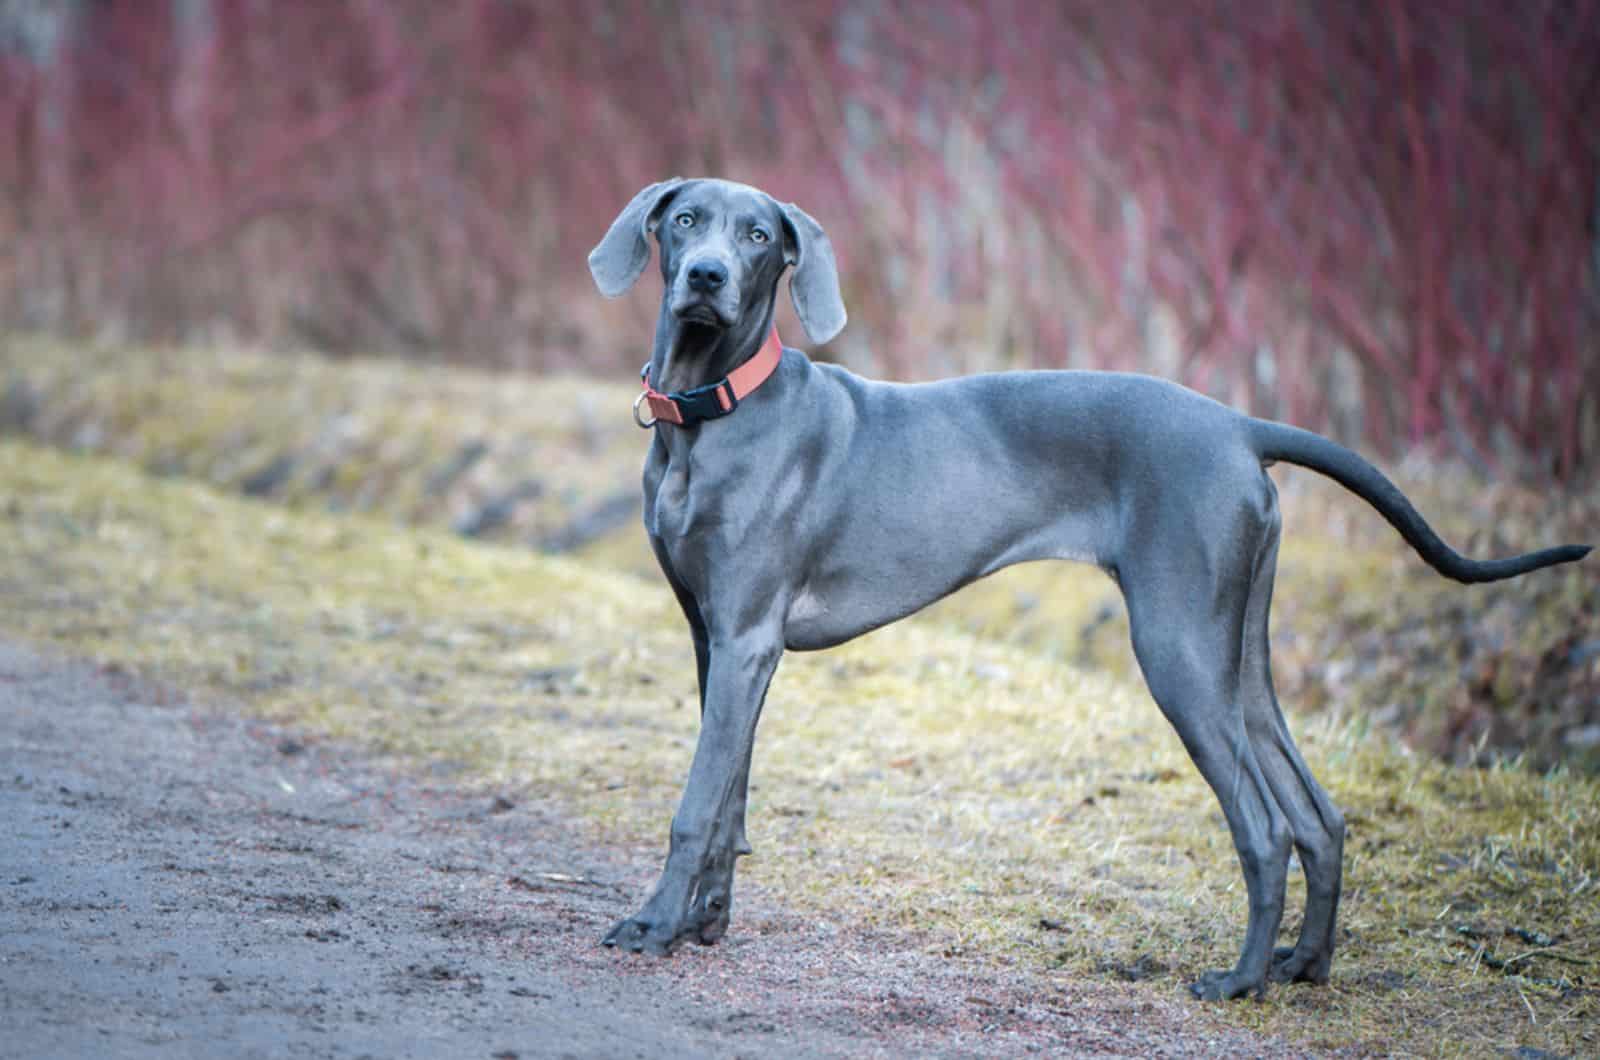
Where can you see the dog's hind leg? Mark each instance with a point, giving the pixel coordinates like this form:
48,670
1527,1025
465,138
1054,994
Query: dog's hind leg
1187,599
1317,825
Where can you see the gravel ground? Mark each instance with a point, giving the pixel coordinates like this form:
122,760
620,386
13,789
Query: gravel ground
176,881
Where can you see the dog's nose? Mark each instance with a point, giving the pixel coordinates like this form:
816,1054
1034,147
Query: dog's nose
707,276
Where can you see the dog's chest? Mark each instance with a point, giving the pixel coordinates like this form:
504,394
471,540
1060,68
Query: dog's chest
699,504
668,504
681,499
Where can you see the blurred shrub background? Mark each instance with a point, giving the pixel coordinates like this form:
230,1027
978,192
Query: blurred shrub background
1377,219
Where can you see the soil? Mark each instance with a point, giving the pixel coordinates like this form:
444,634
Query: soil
178,881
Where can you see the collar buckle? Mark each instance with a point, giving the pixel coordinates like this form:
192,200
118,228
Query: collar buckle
706,402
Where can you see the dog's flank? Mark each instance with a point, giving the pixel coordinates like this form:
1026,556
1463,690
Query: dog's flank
827,505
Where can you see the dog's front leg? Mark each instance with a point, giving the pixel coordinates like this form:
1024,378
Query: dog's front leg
694,897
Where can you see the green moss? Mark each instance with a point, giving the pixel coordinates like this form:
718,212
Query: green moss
920,779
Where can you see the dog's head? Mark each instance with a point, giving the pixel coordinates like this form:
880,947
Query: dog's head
723,247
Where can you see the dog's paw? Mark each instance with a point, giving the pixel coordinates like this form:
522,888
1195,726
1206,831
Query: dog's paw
712,915
1289,965
1226,986
639,936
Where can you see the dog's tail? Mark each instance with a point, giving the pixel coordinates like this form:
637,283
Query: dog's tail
1279,441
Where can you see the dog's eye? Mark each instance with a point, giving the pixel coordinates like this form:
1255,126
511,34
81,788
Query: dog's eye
684,220
759,235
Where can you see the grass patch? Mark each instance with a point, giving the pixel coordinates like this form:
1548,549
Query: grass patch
986,797
552,463
1362,629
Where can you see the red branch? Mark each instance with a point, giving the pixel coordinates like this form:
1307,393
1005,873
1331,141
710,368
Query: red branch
1239,195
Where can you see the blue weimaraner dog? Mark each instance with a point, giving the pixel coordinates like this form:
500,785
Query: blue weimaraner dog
795,505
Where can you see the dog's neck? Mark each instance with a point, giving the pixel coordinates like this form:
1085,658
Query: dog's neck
689,355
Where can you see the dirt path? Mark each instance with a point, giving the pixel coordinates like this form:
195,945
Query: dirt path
178,882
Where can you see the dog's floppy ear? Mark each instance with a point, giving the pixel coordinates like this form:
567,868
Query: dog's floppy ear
624,252
815,283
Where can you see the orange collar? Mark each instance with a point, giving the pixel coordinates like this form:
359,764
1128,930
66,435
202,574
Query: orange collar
685,408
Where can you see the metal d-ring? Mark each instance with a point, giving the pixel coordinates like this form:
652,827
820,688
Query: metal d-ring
636,417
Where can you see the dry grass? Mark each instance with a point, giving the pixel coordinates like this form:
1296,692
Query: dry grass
500,457
990,798
1362,630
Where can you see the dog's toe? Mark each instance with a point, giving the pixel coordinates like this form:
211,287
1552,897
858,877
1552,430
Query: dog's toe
637,936
1292,966
1225,986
